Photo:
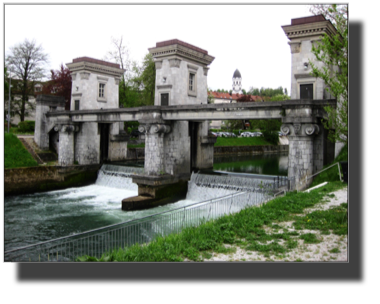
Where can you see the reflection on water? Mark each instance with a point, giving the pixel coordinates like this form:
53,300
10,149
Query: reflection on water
270,164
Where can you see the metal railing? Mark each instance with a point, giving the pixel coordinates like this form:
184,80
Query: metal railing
97,242
340,175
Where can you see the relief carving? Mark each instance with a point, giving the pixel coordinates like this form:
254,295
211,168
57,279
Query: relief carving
174,63
297,128
285,129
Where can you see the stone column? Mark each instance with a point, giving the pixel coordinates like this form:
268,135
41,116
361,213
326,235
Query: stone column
301,140
154,148
66,144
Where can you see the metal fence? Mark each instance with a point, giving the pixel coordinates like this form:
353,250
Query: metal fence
99,241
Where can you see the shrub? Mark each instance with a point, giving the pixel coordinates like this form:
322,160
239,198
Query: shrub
26,126
270,136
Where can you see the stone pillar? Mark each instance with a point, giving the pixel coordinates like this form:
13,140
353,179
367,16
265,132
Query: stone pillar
66,144
154,148
205,147
301,152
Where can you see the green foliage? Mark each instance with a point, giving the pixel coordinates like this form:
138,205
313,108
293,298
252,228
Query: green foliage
280,97
15,154
26,126
271,137
333,53
268,92
210,97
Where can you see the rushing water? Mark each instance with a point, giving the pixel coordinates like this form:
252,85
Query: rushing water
38,217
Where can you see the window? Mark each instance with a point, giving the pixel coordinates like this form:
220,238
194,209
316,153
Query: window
191,82
102,87
76,105
165,99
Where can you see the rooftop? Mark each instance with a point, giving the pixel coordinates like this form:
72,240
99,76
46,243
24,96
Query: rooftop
97,61
176,41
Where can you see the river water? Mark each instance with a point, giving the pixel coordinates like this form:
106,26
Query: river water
38,217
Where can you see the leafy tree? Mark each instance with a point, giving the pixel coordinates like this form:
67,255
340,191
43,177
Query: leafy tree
280,97
210,97
244,92
145,79
26,62
332,51
60,84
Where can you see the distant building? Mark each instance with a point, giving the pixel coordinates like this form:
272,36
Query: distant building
219,97
236,82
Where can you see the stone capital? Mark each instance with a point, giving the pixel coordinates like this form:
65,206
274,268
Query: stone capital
68,128
300,129
154,128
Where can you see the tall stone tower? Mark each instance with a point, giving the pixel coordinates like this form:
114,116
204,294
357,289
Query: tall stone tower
236,83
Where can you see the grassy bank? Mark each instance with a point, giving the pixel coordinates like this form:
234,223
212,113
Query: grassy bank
332,174
15,154
244,229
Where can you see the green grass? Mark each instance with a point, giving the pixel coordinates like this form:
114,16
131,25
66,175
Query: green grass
332,219
242,141
15,154
15,130
332,174
137,146
245,229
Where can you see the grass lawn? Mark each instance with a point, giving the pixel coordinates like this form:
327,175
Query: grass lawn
15,154
16,131
242,141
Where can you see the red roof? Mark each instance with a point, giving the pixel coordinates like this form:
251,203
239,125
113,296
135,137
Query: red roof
242,97
311,19
93,60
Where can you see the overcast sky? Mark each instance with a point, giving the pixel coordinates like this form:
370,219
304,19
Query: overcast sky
244,37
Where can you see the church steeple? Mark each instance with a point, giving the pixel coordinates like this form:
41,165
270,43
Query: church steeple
236,83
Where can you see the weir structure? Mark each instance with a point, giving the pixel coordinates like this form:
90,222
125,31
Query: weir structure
177,140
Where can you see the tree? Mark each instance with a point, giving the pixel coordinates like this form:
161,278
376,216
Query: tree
60,84
279,97
332,51
210,96
26,62
145,80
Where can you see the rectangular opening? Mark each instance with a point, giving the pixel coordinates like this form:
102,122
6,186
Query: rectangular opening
306,91
165,99
76,104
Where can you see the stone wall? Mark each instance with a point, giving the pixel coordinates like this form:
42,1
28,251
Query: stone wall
87,143
176,83
47,178
44,104
177,149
